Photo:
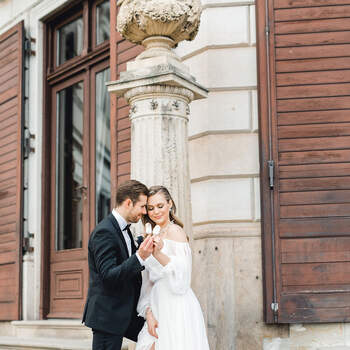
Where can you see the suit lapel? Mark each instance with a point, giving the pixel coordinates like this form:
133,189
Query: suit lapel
119,233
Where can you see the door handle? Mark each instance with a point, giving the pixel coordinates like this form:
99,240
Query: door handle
81,188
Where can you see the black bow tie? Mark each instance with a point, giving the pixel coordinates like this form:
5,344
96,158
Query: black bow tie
127,227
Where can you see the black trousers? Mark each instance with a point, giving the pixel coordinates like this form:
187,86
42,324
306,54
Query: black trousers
107,341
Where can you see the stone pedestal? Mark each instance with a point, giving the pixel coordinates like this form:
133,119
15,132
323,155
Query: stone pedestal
159,91
159,88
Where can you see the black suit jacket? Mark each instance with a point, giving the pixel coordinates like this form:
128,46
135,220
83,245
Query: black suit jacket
114,281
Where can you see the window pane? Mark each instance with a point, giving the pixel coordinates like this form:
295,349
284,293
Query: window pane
103,150
70,40
102,22
69,173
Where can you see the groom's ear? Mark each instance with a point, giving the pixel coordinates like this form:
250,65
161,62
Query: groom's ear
128,202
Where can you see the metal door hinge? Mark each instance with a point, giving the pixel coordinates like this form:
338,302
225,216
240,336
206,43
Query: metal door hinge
271,165
274,307
27,143
28,46
27,247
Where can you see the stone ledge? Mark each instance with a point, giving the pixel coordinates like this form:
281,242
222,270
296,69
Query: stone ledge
14,343
43,344
54,328
335,348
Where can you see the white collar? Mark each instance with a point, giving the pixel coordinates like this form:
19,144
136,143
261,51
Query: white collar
121,221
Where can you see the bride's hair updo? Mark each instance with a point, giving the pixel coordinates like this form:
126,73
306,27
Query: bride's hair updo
162,189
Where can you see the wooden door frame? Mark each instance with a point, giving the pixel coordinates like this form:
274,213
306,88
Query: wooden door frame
93,72
266,153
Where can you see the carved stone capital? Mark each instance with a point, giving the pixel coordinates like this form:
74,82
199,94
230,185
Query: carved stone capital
143,91
175,19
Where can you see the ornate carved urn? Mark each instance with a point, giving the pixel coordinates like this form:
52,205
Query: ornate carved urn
158,25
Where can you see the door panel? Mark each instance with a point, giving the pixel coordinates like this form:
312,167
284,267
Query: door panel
304,124
11,171
70,225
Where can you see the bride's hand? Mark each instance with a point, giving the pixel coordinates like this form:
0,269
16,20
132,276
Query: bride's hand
152,324
158,244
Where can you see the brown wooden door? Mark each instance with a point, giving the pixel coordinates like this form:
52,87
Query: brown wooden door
11,183
304,90
76,150
80,182
70,197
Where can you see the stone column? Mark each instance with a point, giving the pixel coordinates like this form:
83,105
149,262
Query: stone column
159,89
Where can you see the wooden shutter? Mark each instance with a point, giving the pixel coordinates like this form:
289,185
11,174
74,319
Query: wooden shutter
11,80
304,92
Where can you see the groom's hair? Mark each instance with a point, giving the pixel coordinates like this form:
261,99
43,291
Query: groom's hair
130,189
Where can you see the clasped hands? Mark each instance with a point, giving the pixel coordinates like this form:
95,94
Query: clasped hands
151,245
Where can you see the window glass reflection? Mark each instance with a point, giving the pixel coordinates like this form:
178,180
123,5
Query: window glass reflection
70,40
103,150
69,172
102,22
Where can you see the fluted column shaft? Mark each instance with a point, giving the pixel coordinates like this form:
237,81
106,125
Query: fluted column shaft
159,145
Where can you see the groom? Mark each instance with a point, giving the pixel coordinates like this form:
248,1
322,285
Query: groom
115,271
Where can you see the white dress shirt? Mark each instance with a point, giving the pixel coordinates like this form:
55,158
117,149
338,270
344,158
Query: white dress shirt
122,224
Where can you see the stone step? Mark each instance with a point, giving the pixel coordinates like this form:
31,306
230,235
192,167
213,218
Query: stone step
56,328
341,347
54,334
16,343
43,344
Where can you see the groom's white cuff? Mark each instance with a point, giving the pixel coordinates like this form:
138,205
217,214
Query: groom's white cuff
142,262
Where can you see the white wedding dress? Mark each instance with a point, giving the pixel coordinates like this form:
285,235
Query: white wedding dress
167,291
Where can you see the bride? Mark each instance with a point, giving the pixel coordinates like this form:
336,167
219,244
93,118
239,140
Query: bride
173,315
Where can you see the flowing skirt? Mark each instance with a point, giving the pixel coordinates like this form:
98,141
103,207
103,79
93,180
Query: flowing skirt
180,321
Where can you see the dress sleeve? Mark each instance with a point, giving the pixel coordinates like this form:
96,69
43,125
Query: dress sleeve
144,300
179,269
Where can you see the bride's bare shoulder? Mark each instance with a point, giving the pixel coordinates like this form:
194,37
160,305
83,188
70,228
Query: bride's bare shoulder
176,233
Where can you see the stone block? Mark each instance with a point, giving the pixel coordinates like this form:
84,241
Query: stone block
227,110
221,199
277,344
250,328
224,2
335,348
317,335
72,329
225,68
20,6
255,111
257,208
227,280
213,282
347,333
6,329
231,28
5,13
252,25
224,154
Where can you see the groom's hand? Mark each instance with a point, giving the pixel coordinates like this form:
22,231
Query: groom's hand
146,248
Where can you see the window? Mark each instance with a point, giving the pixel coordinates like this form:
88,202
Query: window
69,40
